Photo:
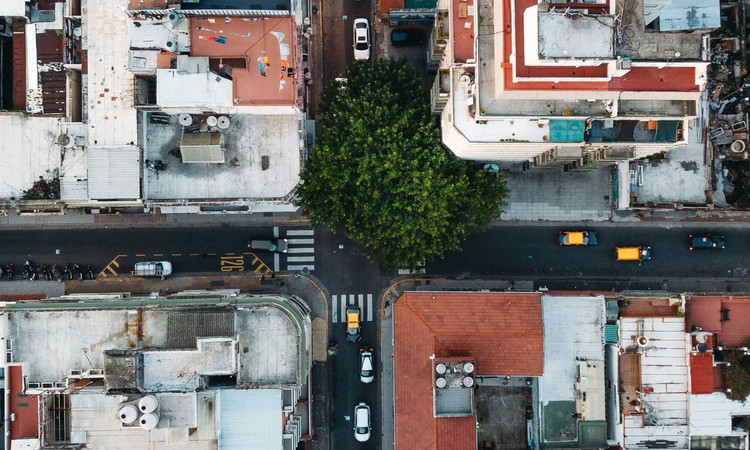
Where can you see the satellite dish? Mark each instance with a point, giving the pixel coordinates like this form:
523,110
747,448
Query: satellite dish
170,46
223,122
174,18
642,341
702,348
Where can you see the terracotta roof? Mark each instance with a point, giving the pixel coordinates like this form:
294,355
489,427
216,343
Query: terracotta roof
502,332
702,373
706,312
24,406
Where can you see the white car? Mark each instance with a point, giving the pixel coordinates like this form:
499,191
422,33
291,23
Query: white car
361,40
362,422
366,367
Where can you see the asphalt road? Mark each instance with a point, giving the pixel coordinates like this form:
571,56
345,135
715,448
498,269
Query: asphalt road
532,252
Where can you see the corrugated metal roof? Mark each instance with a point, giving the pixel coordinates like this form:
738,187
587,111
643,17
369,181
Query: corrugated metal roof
250,419
114,173
611,334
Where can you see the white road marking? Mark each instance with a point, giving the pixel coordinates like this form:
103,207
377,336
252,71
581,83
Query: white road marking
300,232
300,267
275,232
301,241
301,250
360,301
369,307
300,258
276,260
343,308
335,310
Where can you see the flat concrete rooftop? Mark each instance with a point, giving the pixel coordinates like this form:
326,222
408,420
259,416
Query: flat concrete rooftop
52,343
263,159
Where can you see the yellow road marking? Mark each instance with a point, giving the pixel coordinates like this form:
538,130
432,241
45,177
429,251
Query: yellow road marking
229,254
195,254
141,254
176,254
111,266
158,254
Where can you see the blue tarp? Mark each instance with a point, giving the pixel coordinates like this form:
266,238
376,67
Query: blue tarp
566,130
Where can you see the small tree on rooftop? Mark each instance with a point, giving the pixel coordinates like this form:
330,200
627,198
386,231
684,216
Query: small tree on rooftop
380,174
737,374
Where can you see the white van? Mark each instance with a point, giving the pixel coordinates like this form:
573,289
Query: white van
153,269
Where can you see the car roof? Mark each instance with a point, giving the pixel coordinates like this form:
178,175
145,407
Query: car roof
575,237
367,362
362,415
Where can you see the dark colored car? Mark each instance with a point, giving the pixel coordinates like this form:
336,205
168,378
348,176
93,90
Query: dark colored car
706,241
407,36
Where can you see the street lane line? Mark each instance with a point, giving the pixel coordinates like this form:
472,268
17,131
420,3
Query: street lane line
300,232
360,301
335,310
301,267
275,232
302,241
369,307
343,308
351,299
276,262
301,250
300,258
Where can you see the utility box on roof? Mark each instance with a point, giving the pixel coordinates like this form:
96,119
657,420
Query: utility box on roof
201,148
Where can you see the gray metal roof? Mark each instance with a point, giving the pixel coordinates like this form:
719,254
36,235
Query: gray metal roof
114,173
689,15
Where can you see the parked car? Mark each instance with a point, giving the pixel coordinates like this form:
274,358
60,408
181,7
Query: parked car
353,330
706,241
633,253
578,238
361,40
362,424
366,365
277,245
161,269
407,36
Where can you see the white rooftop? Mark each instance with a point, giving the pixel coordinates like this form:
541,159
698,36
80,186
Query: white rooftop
13,8
180,370
205,89
263,159
94,421
711,414
28,150
250,419
573,35
573,331
110,106
664,375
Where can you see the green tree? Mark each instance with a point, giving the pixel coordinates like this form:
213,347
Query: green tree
380,174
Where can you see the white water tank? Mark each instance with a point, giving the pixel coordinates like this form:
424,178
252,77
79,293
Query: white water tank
642,341
148,404
128,414
440,368
211,121
468,382
440,383
149,421
468,367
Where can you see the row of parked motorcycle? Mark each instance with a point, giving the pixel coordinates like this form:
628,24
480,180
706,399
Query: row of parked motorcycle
33,271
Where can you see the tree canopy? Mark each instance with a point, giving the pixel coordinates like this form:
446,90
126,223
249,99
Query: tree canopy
380,174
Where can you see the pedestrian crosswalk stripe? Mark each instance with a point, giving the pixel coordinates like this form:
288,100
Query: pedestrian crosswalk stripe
340,302
300,258
299,267
301,250
300,232
300,241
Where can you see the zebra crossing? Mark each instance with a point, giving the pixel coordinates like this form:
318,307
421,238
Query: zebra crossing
340,302
300,255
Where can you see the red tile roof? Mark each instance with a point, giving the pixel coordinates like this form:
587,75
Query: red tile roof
705,312
502,332
702,373
25,407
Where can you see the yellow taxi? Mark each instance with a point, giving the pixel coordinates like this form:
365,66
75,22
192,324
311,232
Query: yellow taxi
578,238
353,330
